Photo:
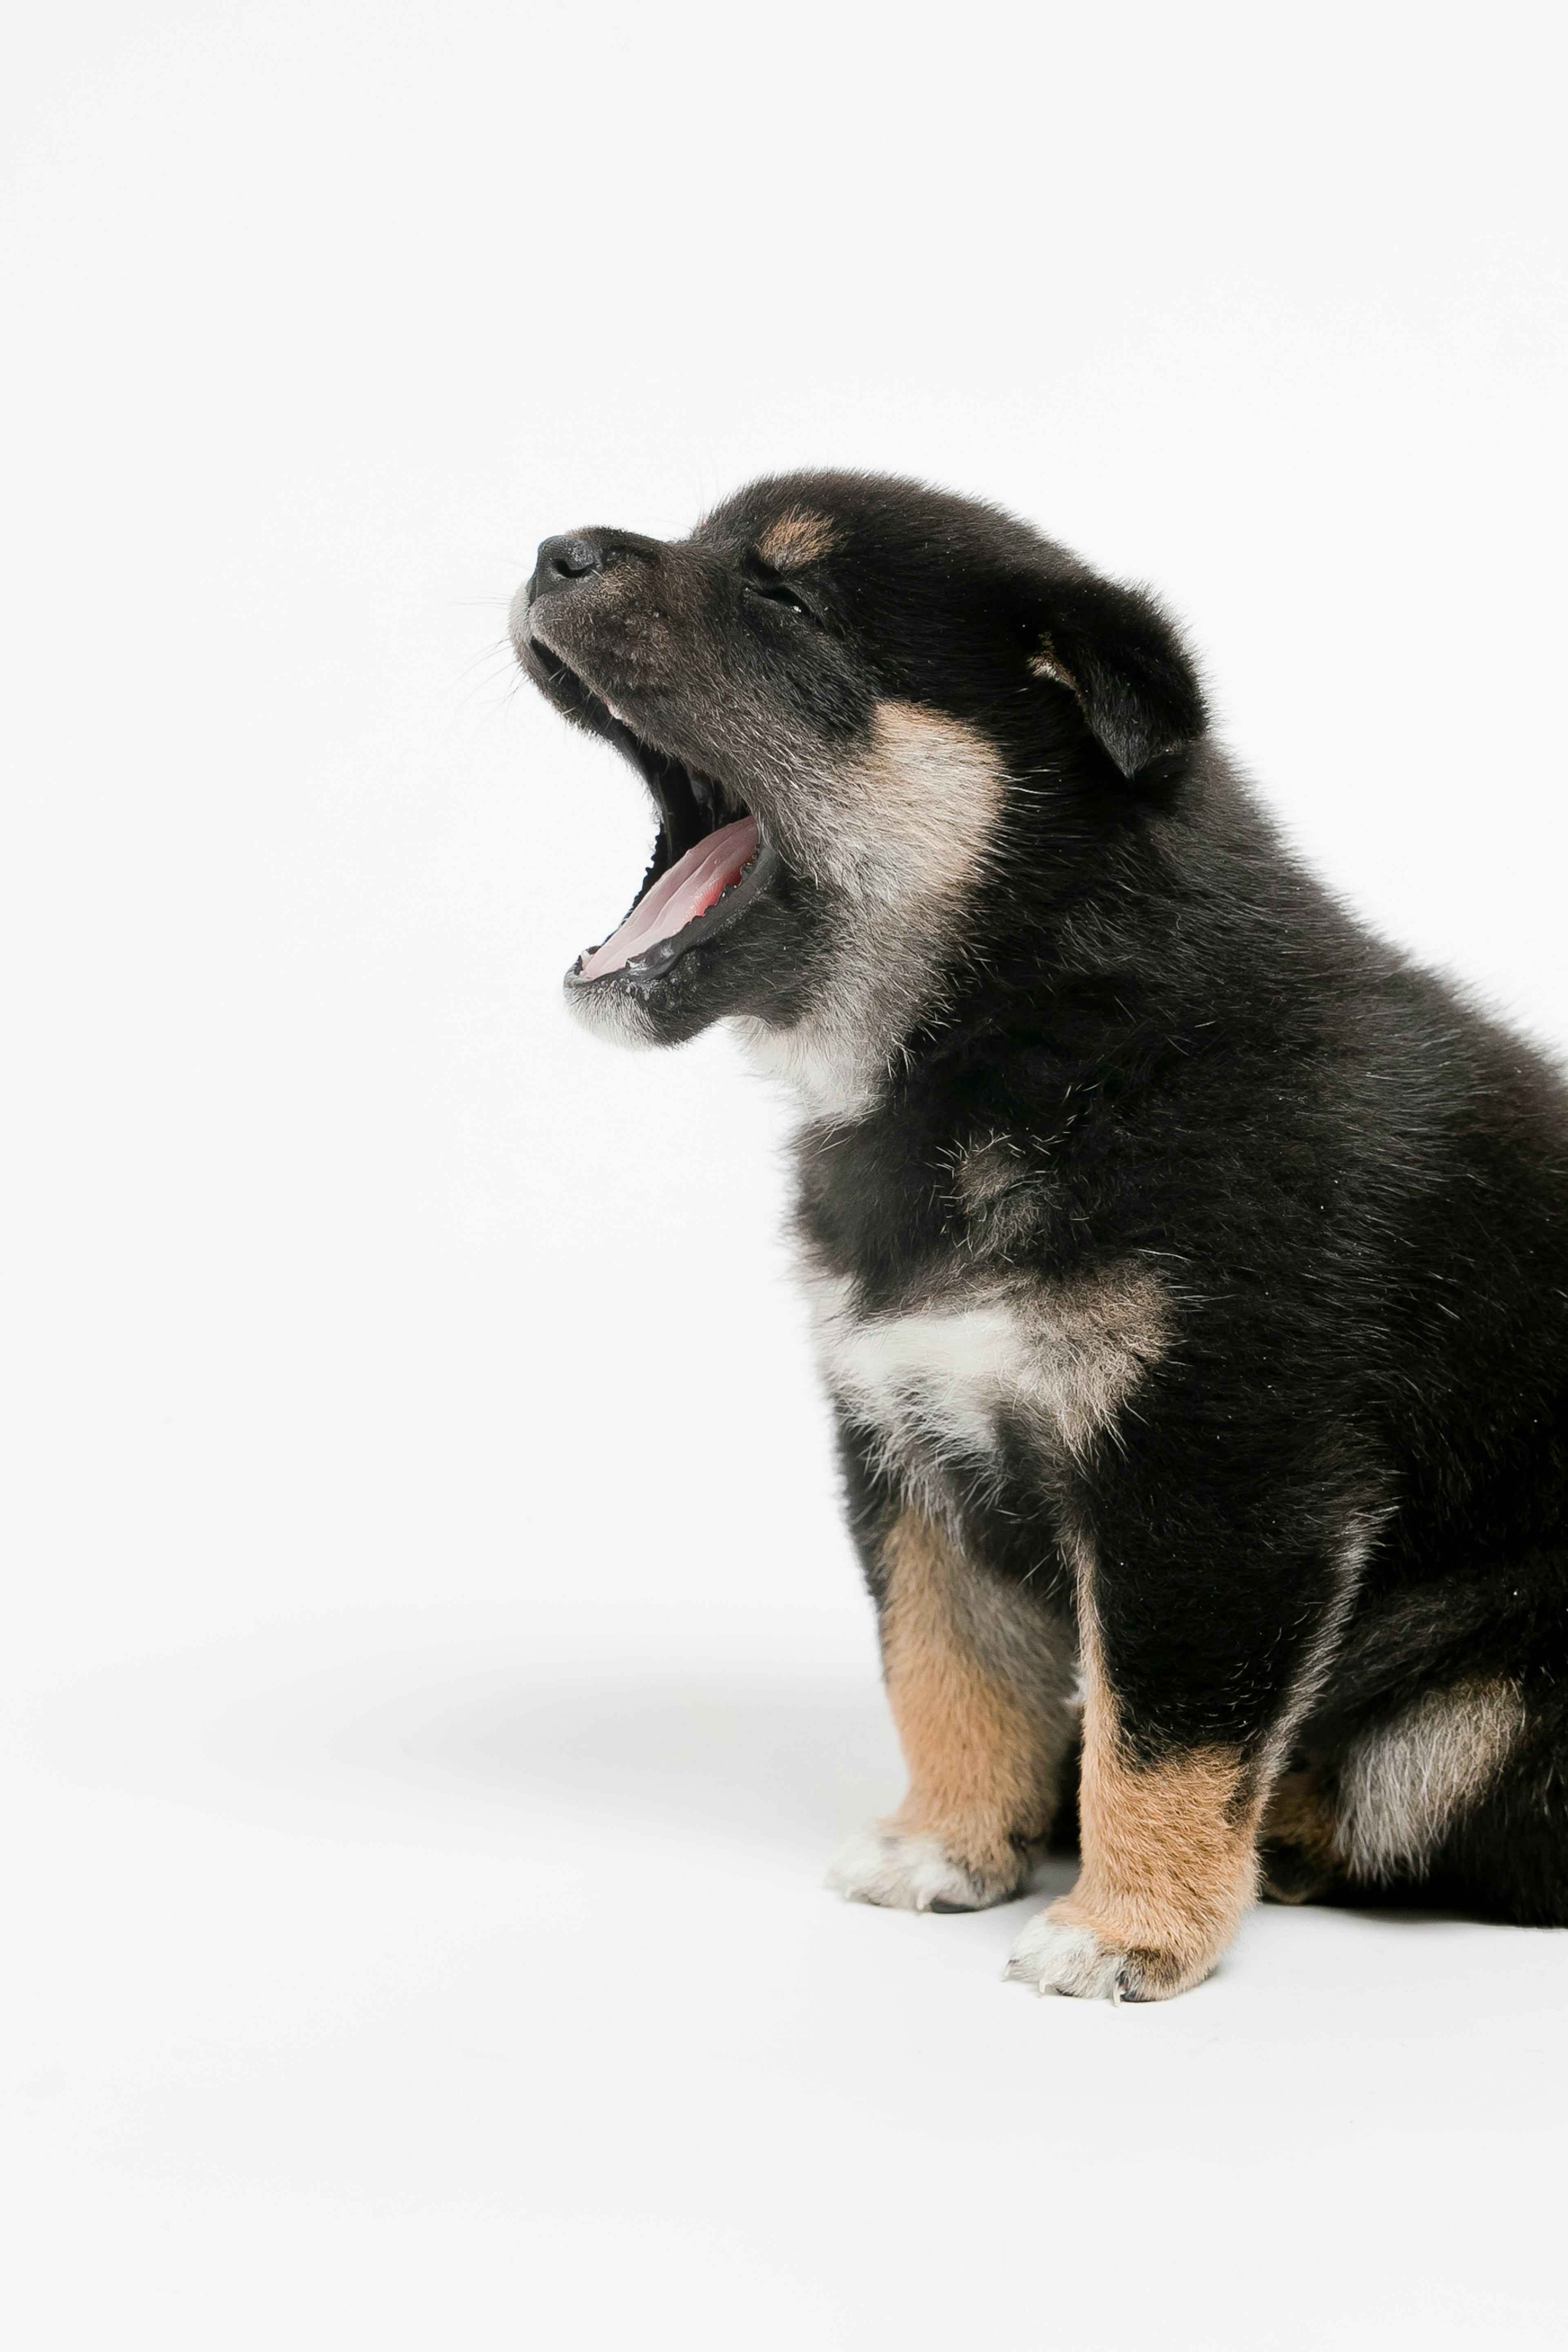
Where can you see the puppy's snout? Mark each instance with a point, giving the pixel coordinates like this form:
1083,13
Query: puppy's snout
588,587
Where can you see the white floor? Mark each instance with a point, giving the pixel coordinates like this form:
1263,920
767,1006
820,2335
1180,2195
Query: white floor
460,1986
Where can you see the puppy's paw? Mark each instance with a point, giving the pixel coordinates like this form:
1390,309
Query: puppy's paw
906,1871
1066,1955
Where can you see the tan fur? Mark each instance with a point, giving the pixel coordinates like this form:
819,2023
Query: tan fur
1169,1849
905,828
1300,1835
796,538
1048,663
933,1377
1105,1330
1401,1785
978,1692
1000,1195
1301,1813
908,820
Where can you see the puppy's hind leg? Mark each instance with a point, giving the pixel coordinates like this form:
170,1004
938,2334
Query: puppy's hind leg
979,1675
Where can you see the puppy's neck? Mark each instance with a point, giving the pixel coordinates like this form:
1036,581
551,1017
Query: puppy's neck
830,1065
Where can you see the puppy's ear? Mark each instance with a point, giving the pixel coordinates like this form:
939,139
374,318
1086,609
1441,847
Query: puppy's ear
1117,652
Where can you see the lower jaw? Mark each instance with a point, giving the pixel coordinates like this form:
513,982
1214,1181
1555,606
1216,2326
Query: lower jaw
646,976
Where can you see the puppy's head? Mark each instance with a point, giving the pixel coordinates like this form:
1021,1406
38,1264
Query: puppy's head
878,724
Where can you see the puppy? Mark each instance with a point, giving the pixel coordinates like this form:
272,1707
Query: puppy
1190,1272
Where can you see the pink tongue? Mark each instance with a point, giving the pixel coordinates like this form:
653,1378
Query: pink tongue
698,881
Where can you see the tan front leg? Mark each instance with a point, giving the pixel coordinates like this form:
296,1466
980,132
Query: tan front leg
1170,1864
978,1678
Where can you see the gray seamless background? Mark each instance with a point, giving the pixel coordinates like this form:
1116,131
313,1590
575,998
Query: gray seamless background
432,1676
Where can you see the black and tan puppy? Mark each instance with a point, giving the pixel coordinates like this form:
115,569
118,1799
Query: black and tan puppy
1191,1273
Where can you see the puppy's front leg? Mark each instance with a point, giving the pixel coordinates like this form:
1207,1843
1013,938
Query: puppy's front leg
1169,1847
978,1675
1182,1736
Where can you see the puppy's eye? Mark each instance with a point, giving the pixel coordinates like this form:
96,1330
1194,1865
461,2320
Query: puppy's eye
777,593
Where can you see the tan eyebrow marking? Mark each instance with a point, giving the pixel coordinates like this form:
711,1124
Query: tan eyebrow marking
797,537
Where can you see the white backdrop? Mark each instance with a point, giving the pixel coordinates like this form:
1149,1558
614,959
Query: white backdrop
433,1676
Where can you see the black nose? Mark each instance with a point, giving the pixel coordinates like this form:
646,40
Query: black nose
571,558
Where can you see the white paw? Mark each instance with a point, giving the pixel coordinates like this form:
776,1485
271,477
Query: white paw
903,1874
1056,1956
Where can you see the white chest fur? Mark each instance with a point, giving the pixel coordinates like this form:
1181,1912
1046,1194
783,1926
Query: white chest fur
935,1381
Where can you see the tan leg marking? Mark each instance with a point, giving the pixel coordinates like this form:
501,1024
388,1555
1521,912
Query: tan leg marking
1168,1865
981,1734
979,1691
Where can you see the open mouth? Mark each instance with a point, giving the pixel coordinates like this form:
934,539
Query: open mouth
710,860
672,901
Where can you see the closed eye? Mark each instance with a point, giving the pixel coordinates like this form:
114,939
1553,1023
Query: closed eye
777,593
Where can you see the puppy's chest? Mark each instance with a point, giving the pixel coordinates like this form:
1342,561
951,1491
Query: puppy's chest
942,1377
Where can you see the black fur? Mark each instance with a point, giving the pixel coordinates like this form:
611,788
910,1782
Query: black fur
1351,1184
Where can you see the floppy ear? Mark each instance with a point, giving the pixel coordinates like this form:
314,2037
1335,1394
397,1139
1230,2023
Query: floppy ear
1116,651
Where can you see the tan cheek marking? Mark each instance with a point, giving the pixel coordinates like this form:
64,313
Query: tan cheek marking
907,823
798,537
979,1700
1169,1849
927,796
